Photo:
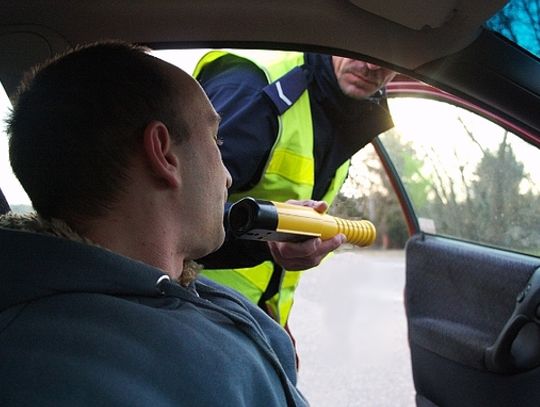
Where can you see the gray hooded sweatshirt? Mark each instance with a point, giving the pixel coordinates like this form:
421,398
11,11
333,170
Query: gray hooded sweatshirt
82,326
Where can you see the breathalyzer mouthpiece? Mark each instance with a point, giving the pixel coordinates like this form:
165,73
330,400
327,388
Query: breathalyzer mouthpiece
266,220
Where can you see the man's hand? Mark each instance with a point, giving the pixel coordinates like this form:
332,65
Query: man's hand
307,254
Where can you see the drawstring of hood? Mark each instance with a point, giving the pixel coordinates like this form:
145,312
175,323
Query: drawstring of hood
241,318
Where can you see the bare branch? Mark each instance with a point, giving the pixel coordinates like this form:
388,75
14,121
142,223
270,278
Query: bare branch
471,135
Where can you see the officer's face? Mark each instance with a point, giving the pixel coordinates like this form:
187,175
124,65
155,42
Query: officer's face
359,79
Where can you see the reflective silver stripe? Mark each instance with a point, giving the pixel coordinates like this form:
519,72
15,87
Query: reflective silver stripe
282,95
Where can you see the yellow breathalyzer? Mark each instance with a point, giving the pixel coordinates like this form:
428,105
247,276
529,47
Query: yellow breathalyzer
267,220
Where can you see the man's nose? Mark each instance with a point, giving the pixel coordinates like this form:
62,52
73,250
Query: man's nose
372,67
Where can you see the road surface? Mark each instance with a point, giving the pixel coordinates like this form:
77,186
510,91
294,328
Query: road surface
350,326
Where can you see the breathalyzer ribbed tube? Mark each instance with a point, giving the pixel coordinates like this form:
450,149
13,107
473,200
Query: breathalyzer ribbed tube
359,232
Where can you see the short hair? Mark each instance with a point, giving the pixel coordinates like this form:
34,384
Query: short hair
77,121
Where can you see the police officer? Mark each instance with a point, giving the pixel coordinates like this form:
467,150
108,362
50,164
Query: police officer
290,124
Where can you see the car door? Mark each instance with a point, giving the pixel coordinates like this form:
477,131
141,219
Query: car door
469,185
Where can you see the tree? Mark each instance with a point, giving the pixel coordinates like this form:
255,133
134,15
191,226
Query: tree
481,199
520,22
494,211
498,202
369,194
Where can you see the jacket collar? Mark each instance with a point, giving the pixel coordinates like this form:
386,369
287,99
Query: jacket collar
37,263
326,91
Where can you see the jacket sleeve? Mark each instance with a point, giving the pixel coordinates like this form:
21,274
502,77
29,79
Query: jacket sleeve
248,130
248,127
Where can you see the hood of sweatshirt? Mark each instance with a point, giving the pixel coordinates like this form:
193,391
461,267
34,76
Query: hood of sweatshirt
41,258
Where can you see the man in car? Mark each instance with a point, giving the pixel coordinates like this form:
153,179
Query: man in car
99,301
290,124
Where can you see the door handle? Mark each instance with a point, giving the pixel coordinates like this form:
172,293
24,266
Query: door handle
517,348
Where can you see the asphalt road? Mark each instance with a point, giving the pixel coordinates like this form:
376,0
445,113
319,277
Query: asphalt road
350,326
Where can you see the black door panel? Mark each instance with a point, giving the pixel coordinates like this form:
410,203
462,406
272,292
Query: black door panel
459,296
445,383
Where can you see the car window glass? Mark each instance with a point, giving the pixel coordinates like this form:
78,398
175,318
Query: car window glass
466,176
12,189
519,21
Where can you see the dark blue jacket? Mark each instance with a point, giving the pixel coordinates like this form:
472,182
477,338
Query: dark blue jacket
249,127
82,326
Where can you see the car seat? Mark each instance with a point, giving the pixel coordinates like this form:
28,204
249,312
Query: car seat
4,206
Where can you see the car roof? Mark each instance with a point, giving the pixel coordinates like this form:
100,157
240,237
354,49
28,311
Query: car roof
442,42
408,33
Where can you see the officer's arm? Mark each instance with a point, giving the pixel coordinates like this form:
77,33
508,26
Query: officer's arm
249,126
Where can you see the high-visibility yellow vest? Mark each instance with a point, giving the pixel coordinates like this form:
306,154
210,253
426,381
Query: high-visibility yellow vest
289,174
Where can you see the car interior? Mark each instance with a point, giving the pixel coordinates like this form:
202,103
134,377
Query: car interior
472,306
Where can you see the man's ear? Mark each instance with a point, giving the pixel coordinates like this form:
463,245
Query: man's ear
159,153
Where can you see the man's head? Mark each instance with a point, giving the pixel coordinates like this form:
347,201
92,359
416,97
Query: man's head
78,119
107,121
359,79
